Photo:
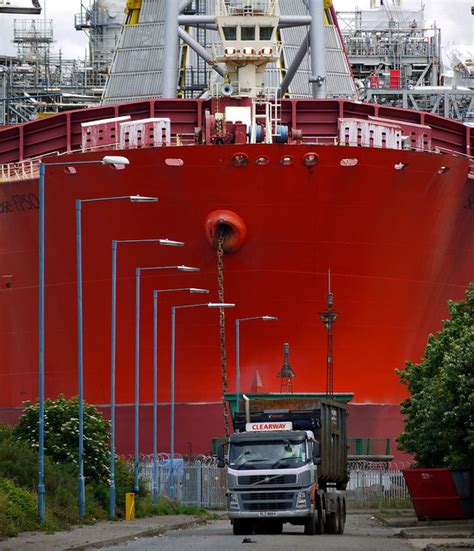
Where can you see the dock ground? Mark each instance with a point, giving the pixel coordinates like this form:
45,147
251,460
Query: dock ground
365,531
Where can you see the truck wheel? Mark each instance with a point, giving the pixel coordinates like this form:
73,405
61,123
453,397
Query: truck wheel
342,517
320,516
331,523
241,527
310,525
333,520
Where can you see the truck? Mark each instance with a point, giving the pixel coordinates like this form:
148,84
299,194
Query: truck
287,466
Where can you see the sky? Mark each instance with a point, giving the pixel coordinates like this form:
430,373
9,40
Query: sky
453,16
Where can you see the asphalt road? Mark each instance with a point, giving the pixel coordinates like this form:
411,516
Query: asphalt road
361,534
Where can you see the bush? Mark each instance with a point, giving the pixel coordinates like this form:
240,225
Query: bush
61,435
7,527
18,460
439,415
19,471
18,508
19,466
124,482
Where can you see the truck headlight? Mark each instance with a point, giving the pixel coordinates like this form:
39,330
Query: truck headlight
233,501
301,500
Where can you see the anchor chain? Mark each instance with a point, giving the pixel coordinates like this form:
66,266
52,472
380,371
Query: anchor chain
220,294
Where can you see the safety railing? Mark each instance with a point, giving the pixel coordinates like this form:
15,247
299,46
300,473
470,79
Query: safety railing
29,169
260,93
24,170
246,7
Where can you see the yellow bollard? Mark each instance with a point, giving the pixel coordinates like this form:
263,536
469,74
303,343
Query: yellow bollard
130,506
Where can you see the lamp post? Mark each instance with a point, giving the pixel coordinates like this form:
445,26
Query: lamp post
237,351
80,330
217,305
115,243
138,272
156,292
118,162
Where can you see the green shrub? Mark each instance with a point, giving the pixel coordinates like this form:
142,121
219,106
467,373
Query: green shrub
124,483
19,507
18,460
7,527
61,435
19,471
439,415
19,466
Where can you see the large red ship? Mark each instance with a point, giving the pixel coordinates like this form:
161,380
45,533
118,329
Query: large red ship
380,196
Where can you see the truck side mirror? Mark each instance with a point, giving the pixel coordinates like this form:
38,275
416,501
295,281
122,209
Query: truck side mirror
220,456
317,453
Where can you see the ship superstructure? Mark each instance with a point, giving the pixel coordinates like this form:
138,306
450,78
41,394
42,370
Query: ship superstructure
134,74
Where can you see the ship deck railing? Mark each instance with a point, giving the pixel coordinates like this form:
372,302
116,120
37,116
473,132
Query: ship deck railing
23,170
28,169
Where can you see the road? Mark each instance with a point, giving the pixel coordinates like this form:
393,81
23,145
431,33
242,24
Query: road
362,534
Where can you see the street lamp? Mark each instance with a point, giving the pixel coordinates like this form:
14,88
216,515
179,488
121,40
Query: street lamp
117,162
115,243
80,329
156,292
237,351
217,305
138,272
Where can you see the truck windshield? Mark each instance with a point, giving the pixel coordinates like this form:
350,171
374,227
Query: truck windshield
267,455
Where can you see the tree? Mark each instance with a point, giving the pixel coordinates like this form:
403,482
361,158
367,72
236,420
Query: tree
61,435
439,414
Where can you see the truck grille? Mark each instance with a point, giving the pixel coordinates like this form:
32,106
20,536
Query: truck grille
266,479
266,496
267,501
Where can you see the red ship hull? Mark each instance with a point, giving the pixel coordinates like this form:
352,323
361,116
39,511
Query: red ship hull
399,244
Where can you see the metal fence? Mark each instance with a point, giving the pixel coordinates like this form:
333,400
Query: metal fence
198,481
377,484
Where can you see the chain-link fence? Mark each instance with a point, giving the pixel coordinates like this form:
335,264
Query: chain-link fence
198,481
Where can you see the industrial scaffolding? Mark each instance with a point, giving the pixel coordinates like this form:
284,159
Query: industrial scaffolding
396,61
38,81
